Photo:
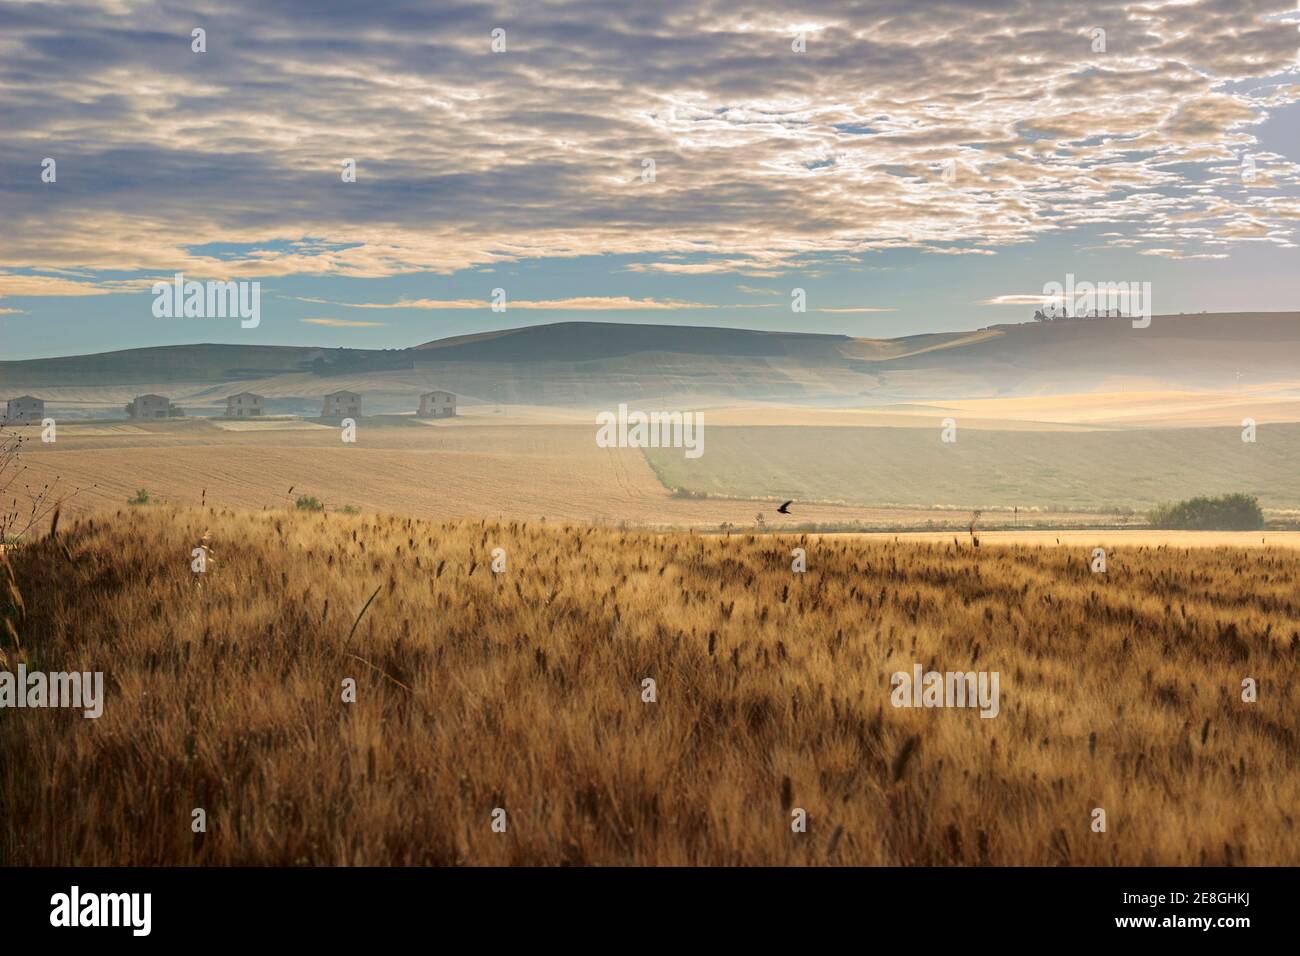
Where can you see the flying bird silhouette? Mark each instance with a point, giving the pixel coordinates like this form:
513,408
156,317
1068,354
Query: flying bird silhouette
785,508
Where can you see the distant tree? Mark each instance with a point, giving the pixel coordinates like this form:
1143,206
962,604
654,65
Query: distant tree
1236,512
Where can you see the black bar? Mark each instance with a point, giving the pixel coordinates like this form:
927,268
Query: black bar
655,907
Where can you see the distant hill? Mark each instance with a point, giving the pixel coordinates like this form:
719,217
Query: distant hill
165,363
1189,351
594,341
583,363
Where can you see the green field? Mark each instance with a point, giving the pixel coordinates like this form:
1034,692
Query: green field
1103,470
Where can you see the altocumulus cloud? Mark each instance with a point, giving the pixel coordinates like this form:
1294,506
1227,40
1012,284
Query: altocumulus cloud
468,158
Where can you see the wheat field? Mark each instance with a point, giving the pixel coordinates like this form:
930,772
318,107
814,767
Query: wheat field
523,691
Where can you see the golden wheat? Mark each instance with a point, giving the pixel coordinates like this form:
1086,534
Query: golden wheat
523,690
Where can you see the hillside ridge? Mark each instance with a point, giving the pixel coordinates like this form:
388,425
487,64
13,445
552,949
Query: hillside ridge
578,362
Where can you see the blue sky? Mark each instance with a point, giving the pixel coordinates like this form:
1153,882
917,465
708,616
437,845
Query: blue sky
915,168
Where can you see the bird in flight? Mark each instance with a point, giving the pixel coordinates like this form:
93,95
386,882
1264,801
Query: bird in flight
785,508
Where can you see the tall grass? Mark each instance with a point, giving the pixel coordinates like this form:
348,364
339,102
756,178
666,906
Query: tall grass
522,690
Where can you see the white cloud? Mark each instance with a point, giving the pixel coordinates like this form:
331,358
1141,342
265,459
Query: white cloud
343,323
853,311
592,303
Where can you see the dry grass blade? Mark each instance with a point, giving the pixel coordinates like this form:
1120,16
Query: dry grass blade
362,612
899,766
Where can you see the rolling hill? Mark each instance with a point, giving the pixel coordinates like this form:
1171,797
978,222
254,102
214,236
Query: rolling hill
589,363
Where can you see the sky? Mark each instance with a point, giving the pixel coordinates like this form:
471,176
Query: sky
912,167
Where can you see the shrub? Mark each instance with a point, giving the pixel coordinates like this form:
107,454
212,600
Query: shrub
308,503
689,494
350,510
141,498
1237,512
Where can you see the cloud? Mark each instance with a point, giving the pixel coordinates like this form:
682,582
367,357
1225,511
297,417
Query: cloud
1177,254
34,285
852,311
576,304
1119,292
763,156
1018,299
343,323
768,268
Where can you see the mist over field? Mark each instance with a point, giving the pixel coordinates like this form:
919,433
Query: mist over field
1070,422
